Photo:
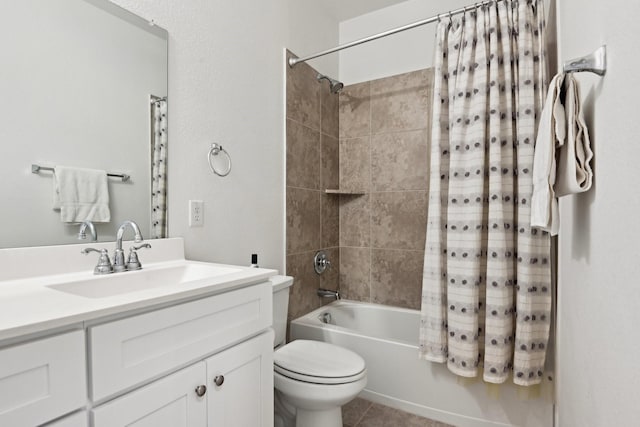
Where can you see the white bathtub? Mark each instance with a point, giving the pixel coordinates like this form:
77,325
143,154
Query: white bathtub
387,338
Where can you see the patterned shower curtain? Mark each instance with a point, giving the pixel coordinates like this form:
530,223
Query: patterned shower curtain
159,168
486,296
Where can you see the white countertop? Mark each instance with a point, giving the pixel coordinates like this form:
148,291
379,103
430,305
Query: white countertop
29,306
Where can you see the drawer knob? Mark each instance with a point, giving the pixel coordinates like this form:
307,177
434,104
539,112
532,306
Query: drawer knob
201,390
219,380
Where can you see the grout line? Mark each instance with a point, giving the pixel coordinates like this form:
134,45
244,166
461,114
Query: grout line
398,191
407,130
363,413
304,188
370,198
389,132
304,125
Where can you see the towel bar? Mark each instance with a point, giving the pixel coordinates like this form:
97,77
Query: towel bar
37,168
594,63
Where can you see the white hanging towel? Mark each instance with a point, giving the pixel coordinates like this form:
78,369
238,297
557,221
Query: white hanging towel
81,194
551,134
574,168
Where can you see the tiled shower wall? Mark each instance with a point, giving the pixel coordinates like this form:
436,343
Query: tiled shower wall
384,151
312,166
374,139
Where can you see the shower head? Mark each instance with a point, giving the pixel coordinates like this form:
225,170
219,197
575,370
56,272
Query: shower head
334,85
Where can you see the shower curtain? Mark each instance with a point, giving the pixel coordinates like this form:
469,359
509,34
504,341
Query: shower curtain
486,296
159,168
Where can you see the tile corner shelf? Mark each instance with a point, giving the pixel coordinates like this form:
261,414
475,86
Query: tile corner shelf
347,192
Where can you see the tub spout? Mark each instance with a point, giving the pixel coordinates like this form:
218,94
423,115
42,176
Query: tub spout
328,293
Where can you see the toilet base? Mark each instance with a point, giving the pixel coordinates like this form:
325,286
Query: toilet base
286,415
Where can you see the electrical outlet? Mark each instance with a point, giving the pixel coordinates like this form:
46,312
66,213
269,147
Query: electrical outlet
196,213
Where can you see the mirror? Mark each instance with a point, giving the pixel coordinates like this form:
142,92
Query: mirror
79,81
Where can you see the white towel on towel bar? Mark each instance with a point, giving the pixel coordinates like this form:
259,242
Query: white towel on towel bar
551,133
574,168
562,128
81,194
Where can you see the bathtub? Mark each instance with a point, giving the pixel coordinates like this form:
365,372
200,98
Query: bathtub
387,338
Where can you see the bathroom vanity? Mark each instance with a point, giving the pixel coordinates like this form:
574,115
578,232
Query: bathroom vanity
178,343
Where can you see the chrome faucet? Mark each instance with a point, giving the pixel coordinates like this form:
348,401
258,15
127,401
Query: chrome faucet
82,234
328,293
104,263
118,255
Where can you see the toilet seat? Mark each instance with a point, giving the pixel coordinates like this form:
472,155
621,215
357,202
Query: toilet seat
318,362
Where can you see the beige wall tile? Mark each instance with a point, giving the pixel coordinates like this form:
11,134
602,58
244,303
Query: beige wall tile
303,156
355,164
398,220
355,227
329,114
303,220
355,114
401,102
396,277
355,270
400,161
302,296
330,162
330,225
303,95
330,279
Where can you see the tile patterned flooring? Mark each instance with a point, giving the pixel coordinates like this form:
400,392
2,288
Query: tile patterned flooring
362,413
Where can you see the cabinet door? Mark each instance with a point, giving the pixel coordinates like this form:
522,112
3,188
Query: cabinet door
42,380
245,394
169,402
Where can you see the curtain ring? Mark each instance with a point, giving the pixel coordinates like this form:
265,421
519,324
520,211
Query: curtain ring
450,19
215,150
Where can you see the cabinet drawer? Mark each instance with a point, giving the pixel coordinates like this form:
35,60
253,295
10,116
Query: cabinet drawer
42,380
131,351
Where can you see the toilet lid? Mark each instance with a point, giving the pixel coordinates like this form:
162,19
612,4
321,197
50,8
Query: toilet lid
319,362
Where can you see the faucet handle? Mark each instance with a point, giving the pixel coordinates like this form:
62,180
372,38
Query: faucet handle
133,263
104,263
142,246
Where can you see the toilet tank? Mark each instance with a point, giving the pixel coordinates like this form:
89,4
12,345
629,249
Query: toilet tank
281,286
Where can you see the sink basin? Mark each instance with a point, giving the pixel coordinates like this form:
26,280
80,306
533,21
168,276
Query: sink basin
148,278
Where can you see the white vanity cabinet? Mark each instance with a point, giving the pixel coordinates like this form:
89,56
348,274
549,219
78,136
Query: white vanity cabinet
191,398
135,348
233,387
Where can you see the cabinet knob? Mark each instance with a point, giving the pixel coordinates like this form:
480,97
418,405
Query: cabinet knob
201,390
219,380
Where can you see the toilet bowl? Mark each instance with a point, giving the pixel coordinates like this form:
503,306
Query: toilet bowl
312,379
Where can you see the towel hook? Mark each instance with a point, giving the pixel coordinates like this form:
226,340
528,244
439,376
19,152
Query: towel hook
215,150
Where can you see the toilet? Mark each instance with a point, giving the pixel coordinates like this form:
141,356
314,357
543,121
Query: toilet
312,379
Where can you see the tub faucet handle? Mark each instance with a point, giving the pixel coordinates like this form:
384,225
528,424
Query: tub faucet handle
321,262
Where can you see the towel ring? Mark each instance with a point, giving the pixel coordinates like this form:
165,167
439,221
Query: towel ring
215,150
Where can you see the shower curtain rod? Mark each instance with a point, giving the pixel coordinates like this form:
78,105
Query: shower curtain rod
294,61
